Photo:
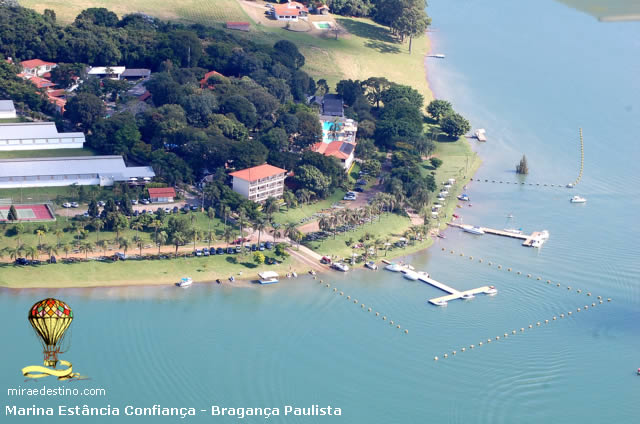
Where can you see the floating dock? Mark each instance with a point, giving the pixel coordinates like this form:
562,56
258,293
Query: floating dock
481,134
453,293
534,239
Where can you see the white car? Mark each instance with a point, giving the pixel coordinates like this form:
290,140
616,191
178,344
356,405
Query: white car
66,205
75,205
347,197
145,201
134,201
101,203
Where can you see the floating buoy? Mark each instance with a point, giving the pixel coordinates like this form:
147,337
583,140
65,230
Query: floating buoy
445,356
435,358
578,310
462,254
497,337
579,291
341,293
369,309
335,289
397,326
348,297
589,294
499,266
538,323
470,257
362,305
568,287
454,352
554,318
391,322
609,300
321,281
452,252
406,331
586,307
463,349
506,335
599,297
518,273
480,344
548,281
443,249
522,329
384,318
569,313
377,313
328,285
509,269
593,304
528,275
546,321
479,260
601,302
490,263
561,315
530,326
472,346
355,300
539,278
488,340
315,278
558,285
513,332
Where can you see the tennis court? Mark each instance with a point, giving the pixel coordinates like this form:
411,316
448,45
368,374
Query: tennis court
28,212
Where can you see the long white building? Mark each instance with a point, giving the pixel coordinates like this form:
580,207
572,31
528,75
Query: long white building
260,182
65,171
37,136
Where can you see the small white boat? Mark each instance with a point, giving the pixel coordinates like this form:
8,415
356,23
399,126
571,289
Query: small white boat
268,277
577,199
570,185
294,274
473,230
371,265
394,267
410,275
468,296
184,282
491,291
437,55
464,198
340,266
481,134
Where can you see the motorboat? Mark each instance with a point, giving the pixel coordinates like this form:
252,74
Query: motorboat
312,272
491,291
570,185
340,266
468,296
513,230
577,199
442,236
371,265
394,267
268,277
473,230
410,275
184,282
463,197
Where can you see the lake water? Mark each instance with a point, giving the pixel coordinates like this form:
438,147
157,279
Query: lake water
529,72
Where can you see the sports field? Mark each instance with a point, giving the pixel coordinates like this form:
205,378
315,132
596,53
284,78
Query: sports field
28,213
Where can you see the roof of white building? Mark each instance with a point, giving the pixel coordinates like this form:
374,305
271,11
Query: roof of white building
102,70
27,130
7,106
108,166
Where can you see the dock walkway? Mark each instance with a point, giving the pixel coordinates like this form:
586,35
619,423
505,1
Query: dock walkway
528,238
453,293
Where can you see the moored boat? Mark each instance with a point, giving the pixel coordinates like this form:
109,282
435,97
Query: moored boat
340,266
184,282
393,267
473,230
268,277
513,230
371,265
463,197
410,275
577,199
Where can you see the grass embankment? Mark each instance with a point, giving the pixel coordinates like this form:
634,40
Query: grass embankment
143,272
48,153
304,211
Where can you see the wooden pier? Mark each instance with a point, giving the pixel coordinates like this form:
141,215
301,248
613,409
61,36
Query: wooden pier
529,239
453,293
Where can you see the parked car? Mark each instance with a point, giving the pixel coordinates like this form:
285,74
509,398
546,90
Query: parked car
145,201
205,251
349,197
219,251
268,245
167,210
134,201
197,252
359,189
185,208
75,205
194,208
66,205
230,250
254,247
101,203
325,260
175,209
261,247
238,249
22,261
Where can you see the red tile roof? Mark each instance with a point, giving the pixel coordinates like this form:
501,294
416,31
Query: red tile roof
338,149
34,63
258,172
162,192
204,81
41,82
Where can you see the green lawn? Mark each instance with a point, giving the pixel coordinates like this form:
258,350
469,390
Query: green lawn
296,214
46,153
132,272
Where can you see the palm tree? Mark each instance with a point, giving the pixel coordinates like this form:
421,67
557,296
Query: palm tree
102,244
31,251
195,235
161,238
15,252
97,225
58,233
271,206
242,221
40,234
120,224
19,230
210,214
291,231
227,235
50,250
66,248
275,231
87,247
156,225
139,241
177,239
224,212
124,244
137,226
260,225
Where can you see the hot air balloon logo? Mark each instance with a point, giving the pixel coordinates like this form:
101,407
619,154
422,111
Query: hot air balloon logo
50,319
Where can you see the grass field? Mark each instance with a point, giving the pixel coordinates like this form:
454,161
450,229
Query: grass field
46,153
296,214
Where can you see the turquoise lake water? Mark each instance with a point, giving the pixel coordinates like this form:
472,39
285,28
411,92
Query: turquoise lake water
530,73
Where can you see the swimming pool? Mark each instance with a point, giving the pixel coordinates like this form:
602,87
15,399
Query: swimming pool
322,25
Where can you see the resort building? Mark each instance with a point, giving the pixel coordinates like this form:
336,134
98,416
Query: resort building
162,195
65,171
260,182
37,136
341,150
7,109
338,139
36,67
290,11
112,72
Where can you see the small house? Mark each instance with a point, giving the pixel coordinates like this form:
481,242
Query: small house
162,195
36,67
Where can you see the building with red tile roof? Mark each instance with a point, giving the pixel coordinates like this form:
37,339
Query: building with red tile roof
341,150
290,11
259,182
36,67
204,82
162,195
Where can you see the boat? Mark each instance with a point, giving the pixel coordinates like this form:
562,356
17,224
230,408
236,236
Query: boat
394,267
570,185
577,199
463,197
312,272
481,134
371,265
294,274
513,230
268,277
491,291
442,236
184,282
473,230
410,275
340,266
437,55
468,296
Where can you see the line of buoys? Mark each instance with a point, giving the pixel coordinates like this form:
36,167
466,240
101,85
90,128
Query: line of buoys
480,180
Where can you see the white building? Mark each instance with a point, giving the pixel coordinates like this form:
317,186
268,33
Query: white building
113,72
7,109
37,136
65,171
36,67
260,182
289,11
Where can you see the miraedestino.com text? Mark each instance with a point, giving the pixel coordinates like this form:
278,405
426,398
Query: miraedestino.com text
182,412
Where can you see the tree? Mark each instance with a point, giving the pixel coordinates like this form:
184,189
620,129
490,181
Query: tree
124,244
276,139
13,214
435,162
413,20
40,234
287,52
242,109
96,16
84,110
454,125
177,239
375,86
93,210
522,167
439,108
311,178
259,225
102,244
161,238
87,247
258,258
